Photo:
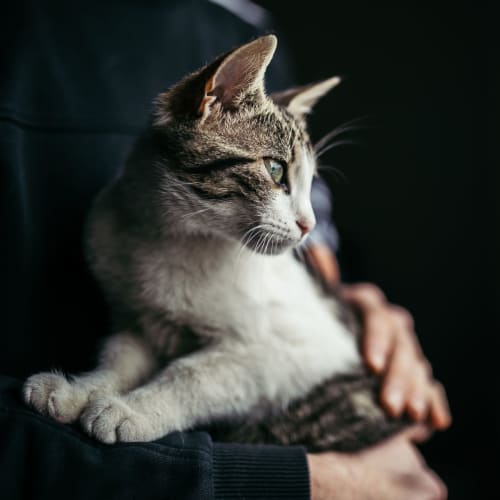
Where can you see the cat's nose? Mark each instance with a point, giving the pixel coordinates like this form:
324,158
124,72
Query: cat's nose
304,227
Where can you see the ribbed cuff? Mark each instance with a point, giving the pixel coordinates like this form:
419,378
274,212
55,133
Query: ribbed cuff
263,472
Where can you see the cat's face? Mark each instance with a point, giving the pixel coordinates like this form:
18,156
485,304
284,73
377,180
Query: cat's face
240,163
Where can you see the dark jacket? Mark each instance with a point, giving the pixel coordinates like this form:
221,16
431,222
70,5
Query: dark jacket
76,83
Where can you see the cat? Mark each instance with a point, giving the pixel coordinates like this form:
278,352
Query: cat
216,324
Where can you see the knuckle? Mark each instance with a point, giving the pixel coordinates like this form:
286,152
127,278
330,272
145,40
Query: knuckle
439,389
376,325
438,490
426,367
402,317
371,293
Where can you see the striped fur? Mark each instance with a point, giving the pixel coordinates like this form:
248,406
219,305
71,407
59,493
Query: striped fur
213,318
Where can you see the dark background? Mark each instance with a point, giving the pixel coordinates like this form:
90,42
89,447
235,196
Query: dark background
416,213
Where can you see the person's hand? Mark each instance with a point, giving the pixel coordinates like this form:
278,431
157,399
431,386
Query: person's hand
390,348
391,470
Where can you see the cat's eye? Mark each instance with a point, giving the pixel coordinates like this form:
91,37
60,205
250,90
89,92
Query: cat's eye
277,172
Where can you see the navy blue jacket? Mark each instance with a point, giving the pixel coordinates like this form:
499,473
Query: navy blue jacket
76,83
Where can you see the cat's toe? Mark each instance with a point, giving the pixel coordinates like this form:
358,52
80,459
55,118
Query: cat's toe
103,416
66,403
133,429
51,394
110,419
38,389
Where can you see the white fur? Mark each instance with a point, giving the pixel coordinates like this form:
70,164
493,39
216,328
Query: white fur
274,336
270,333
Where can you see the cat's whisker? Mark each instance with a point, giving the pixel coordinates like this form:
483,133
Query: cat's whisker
334,134
255,228
248,237
334,170
259,242
262,242
268,240
245,240
340,129
193,214
336,144
274,243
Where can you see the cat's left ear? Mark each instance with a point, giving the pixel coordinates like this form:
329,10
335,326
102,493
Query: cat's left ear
239,75
300,100
224,84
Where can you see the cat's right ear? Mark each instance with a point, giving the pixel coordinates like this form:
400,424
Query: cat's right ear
226,83
300,100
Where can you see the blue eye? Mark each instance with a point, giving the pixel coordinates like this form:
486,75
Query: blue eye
276,170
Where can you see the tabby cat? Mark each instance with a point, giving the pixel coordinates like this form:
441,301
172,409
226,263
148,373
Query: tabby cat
216,324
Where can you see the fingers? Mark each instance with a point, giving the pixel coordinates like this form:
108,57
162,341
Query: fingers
378,341
378,332
391,349
398,380
427,400
418,401
440,415
417,433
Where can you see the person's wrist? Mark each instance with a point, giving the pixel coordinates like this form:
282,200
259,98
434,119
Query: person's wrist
330,476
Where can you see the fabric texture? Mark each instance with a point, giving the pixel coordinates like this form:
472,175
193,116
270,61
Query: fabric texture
77,82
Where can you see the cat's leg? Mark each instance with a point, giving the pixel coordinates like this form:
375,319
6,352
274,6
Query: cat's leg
125,361
194,389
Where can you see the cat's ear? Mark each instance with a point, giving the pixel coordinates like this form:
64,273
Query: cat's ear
300,100
240,74
221,85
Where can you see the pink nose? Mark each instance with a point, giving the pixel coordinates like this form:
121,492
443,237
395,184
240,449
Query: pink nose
304,228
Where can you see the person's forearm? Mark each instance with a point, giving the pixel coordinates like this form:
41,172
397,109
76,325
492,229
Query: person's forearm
40,458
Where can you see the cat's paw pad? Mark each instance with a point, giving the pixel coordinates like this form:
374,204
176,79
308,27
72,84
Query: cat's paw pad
51,394
110,419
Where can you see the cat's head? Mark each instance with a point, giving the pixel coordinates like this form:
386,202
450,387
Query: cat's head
239,163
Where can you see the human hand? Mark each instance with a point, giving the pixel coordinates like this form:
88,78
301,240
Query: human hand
391,470
390,348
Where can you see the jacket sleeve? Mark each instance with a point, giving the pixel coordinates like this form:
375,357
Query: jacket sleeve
40,458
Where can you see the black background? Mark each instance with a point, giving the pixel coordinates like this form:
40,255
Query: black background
416,215
417,210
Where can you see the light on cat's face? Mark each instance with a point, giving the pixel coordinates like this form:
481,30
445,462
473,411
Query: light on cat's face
287,217
260,197
240,162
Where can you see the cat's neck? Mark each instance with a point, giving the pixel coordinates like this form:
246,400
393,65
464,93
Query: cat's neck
213,254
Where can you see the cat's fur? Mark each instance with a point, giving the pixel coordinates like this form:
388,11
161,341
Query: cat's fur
216,323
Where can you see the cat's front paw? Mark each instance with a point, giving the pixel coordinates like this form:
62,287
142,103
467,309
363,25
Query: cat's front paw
52,394
111,419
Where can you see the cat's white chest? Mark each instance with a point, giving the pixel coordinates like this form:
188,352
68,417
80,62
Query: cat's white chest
271,307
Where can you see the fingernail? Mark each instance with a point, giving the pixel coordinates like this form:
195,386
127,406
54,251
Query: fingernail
395,399
443,421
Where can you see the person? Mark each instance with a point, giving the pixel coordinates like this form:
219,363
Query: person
77,82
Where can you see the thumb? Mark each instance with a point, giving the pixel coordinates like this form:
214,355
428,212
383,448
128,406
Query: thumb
417,433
